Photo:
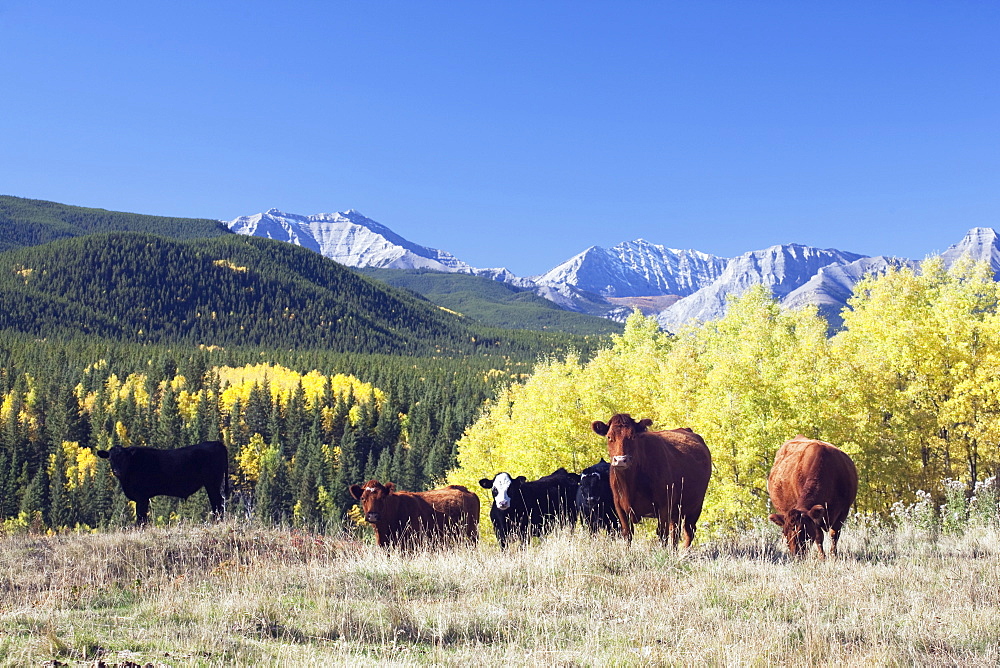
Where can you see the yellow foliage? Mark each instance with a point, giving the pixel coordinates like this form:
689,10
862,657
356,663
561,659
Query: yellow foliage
284,382
326,501
188,402
910,389
248,459
81,464
229,264
6,406
122,431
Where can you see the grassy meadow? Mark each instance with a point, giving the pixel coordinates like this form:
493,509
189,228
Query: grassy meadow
238,595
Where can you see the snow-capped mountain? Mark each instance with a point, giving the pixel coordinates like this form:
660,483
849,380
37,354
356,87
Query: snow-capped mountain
351,239
636,269
980,243
781,268
608,282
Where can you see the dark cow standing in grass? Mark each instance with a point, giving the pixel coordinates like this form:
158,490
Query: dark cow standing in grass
594,501
148,472
409,519
522,509
812,486
661,474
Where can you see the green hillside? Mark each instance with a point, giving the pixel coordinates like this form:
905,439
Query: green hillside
494,303
234,290
30,222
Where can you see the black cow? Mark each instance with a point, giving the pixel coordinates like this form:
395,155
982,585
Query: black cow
523,509
148,472
594,501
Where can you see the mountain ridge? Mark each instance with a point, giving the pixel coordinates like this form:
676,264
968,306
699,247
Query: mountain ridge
694,285
673,285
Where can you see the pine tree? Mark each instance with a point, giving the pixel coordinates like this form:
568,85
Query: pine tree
61,510
170,424
35,499
272,500
257,413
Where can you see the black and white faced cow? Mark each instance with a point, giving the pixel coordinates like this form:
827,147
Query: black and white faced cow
148,472
594,501
522,509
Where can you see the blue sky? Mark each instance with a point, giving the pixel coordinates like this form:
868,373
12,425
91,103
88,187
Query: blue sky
519,133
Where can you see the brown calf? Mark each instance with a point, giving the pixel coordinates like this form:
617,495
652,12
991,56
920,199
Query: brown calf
409,519
812,486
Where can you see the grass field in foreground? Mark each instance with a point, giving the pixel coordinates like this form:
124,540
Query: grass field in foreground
238,595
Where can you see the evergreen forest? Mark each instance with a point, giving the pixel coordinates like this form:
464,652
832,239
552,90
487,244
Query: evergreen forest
301,426
314,376
30,222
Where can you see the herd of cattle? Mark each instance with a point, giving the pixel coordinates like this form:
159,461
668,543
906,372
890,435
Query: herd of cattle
657,474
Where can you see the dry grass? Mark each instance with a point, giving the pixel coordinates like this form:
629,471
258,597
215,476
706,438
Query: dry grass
239,595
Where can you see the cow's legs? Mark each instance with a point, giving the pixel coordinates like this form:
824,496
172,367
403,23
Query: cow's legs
472,528
141,512
216,500
500,528
818,537
834,537
689,529
626,520
666,531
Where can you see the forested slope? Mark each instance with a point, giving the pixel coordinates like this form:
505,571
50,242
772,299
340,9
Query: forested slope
494,303
233,291
30,222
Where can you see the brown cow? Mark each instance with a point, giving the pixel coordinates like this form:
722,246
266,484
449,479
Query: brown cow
443,515
661,474
812,486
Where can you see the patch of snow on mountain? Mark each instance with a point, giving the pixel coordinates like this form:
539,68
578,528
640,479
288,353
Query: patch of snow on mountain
349,238
782,268
979,243
636,268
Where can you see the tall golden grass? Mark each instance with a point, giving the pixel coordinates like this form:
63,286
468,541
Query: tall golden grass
239,595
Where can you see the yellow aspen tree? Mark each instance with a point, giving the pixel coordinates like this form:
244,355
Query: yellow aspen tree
914,347
744,409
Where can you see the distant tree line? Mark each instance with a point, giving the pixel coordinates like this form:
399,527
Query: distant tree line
30,222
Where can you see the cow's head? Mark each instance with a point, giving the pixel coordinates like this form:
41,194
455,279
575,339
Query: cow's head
120,459
592,482
503,485
373,498
799,526
621,431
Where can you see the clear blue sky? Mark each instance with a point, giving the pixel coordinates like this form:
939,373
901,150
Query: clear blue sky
519,133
